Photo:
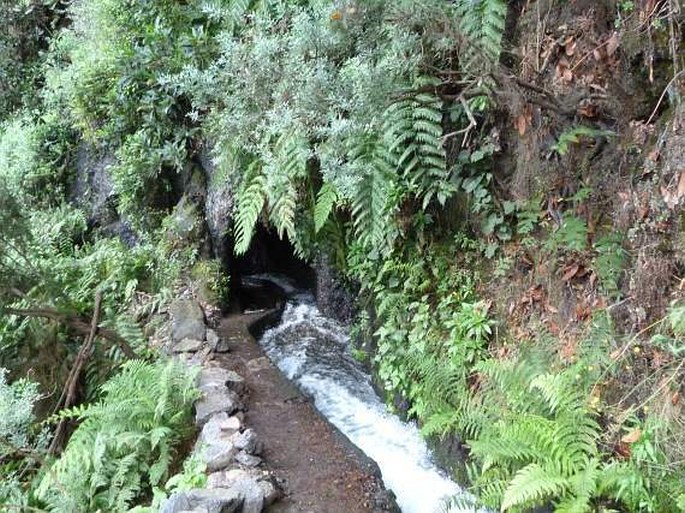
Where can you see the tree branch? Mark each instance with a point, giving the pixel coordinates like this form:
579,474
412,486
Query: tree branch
77,324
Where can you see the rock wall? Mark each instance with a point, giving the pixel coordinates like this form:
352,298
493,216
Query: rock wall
334,297
236,483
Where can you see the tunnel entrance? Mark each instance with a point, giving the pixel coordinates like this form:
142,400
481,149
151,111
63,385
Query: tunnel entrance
268,254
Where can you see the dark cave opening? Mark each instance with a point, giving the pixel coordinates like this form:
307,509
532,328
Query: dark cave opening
268,254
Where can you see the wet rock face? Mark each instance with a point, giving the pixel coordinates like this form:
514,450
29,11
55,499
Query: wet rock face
93,189
219,202
93,192
334,298
187,321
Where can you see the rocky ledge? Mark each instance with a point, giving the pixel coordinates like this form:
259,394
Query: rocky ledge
237,481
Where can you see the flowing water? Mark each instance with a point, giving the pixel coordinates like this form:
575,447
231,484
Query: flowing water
313,351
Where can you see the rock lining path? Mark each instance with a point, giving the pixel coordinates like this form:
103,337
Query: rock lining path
266,447
319,469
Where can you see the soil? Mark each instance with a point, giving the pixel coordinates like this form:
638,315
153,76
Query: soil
318,468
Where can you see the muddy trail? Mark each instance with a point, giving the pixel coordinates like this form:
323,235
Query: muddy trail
318,469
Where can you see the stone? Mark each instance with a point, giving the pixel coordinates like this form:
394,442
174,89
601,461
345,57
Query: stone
269,490
187,345
219,456
215,400
187,320
177,503
222,346
248,460
227,478
220,427
212,338
216,500
255,491
258,364
247,441
216,377
200,500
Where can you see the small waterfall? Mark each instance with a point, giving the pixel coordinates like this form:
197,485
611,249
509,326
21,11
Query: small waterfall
313,351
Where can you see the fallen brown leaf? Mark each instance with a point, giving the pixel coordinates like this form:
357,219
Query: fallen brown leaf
632,437
612,44
570,272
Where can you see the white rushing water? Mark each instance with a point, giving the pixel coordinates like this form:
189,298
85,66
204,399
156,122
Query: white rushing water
313,351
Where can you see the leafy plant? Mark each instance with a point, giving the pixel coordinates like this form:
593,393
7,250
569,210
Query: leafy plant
125,442
571,235
574,135
608,263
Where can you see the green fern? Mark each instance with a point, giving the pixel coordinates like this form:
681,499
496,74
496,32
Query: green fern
531,485
413,130
291,168
482,22
251,199
373,203
325,202
124,442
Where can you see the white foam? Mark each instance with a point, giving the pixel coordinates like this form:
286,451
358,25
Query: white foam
313,351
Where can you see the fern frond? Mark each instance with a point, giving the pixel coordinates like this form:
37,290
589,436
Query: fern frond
325,201
412,130
531,485
291,153
124,441
251,198
482,22
372,204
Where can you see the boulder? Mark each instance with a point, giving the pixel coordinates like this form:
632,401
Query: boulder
215,400
216,377
219,456
187,345
220,427
216,500
187,320
247,441
248,460
256,489
212,338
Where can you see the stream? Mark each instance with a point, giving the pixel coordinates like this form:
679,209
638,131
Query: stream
313,352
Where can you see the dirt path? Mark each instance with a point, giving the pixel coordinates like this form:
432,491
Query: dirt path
320,470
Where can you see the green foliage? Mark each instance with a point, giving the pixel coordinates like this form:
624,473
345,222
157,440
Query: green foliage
125,441
109,74
413,131
193,476
609,262
27,26
571,235
251,199
372,205
325,203
302,92
22,446
574,135
482,22
17,401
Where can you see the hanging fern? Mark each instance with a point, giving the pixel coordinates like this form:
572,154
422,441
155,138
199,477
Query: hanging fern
372,205
291,168
482,22
413,130
251,198
325,201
